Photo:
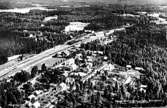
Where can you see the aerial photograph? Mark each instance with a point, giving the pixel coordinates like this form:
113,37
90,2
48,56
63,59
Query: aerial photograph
83,53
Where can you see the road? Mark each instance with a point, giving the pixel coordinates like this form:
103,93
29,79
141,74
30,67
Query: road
33,61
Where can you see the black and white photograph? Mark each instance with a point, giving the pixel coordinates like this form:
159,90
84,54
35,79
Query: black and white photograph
83,53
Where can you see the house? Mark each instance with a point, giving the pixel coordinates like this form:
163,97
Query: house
89,31
15,57
65,53
139,69
109,32
128,80
32,97
25,31
109,67
100,34
128,67
100,52
143,88
120,29
70,62
32,36
42,25
131,73
36,105
90,60
38,92
63,87
79,74
89,65
50,18
78,56
69,80
73,67
105,58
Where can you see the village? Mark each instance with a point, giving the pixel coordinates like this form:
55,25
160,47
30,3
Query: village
90,73
88,56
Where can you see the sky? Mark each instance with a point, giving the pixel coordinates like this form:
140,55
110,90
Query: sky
134,1
12,2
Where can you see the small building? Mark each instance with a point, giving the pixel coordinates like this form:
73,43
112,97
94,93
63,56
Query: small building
50,18
32,36
109,67
128,67
70,62
100,34
32,97
69,80
139,69
105,58
15,57
65,53
38,92
82,74
36,105
89,31
73,67
64,87
42,25
79,56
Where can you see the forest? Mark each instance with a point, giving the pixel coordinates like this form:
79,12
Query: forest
140,46
15,28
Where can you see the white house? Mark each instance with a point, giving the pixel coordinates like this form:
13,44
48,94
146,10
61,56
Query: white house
50,18
36,104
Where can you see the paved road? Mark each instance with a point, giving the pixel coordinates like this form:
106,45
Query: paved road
32,61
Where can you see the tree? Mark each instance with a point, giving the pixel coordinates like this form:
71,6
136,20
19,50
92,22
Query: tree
43,67
23,76
34,71
3,59
9,94
28,88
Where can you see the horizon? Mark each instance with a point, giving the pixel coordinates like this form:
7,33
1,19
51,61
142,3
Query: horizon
22,3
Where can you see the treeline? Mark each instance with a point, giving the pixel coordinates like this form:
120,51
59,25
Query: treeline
14,39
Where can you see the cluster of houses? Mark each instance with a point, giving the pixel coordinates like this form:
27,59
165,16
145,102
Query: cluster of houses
93,67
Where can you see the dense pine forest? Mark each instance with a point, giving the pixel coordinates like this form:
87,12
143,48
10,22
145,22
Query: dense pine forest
140,46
